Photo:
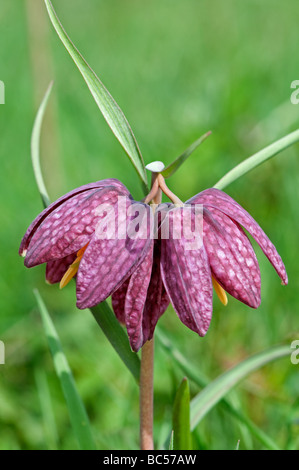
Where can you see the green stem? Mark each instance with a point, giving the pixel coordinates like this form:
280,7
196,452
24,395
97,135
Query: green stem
146,396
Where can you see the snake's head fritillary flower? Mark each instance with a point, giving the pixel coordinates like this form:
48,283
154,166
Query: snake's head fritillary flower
231,257
184,273
144,266
67,236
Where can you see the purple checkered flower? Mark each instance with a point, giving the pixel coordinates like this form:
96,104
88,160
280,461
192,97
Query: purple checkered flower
225,260
231,257
143,274
64,236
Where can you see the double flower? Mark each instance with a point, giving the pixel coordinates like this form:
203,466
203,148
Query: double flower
144,269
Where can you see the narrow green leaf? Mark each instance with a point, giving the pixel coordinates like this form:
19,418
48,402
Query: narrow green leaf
112,113
215,391
181,418
77,413
198,378
174,166
258,158
237,445
35,142
50,428
117,337
171,442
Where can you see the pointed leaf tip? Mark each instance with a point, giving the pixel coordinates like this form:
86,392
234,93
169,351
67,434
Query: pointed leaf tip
174,166
35,143
110,110
181,418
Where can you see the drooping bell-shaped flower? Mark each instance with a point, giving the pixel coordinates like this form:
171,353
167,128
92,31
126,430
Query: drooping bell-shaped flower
230,253
192,258
99,234
68,236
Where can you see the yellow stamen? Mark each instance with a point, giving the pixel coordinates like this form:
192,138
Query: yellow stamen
81,252
71,272
220,292
73,269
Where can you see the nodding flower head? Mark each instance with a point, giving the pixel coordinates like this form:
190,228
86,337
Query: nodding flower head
146,256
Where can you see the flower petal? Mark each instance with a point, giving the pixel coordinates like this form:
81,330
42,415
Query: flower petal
87,187
70,226
136,298
232,258
108,262
157,299
56,269
221,201
187,277
118,301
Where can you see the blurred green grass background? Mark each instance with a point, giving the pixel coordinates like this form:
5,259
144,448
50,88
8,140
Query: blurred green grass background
177,69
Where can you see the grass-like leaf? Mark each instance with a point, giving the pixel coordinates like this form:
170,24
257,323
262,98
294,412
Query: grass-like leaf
202,381
170,447
35,143
182,439
216,390
107,105
77,413
117,337
50,428
258,158
174,166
